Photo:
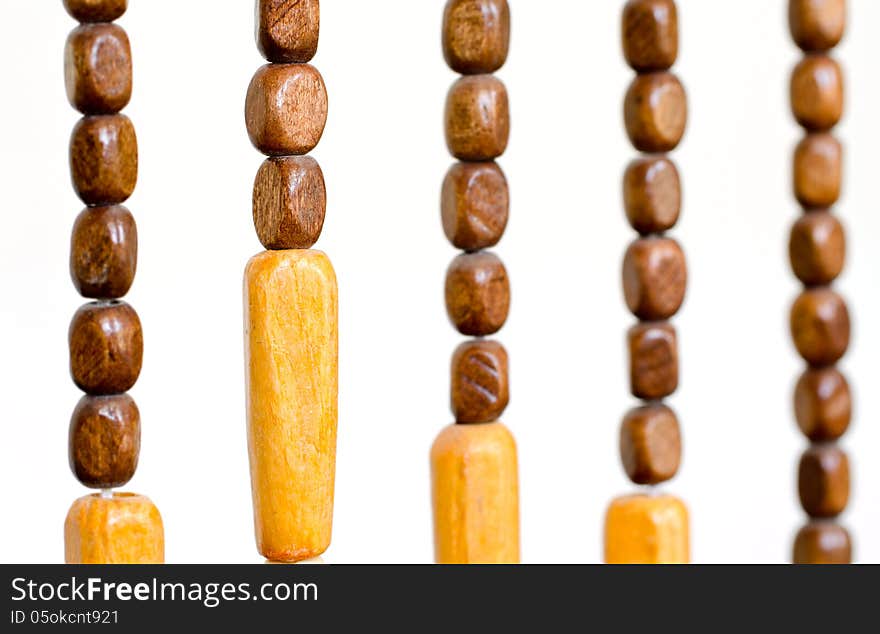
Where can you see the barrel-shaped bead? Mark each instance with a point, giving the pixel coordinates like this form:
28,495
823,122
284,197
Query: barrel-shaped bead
652,194
104,159
103,252
818,170
650,444
822,542
475,203
817,25
817,93
124,528
105,440
106,347
477,118
97,68
817,248
822,404
654,278
477,293
96,10
823,481
820,326
479,381
653,360
287,30
476,35
650,34
655,112
647,529
289,202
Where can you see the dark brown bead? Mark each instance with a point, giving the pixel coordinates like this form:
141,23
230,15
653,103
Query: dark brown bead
823,481
822,542
480,390
286,109
103,252
474,205
477,118
652,194
650,444
287,30
817,248
817,93
818,171
650,34
104,159
822,404
820,326
96,10
655,112
817,25
654,278
653,360
477,293
476,35
97,68
105,440
106,347
289,203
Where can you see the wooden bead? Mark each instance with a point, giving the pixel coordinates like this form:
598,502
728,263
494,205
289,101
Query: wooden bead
822,542
650,34
817,25
477,118
290,201
653,360
97,68
105,440
652,194
291,347
479,381
817,93
476,35
286,109
823,481
647,529
123,529
655,112
818,171
474,205
817,248
475,494
106,348
104,159
103,252
477,293
820,326
822,404
96,10
287,30
654,278
650,444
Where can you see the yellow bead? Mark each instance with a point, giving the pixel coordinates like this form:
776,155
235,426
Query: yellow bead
123,529
643,529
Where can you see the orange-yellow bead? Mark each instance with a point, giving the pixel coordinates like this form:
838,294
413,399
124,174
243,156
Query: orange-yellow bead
644,529
123,529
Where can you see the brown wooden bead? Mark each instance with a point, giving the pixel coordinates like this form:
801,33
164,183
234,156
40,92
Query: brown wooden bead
477,293
823,481
106,347
476,35
103,252
97,68
653,360
820,326
822,542
474,205
650,34
652,194
650,444
290,201
654,278
104,159
477,118
96,10
655,112
817,25
818,171
286,109
817,248
105,440
480,389
817,93
822,404
287,30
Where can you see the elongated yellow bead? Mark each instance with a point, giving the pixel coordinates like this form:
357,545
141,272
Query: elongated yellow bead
645,529
124,528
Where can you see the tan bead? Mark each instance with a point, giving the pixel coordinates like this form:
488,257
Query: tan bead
103,252
286,109
96,10
477,293
818,171
647,529
477,118
652,194
655,112
105,440
289,202
106,347
121,529
820,326
287,30
104,159
476,35
653,360
654,278
650,34
817,93
822,404
474,205
823,481
479,382
817,248
822,542
97,68
817,25
650,444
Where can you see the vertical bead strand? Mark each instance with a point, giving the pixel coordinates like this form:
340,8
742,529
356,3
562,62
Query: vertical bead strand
651,527
105,338
473,462
820,325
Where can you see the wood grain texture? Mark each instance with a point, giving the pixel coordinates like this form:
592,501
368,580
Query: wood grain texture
818,171
650,444
817,25
104,159
823,481
480,388
650,34
97,68
476,35
477,118
817,248
654,278
477,294
822,404
105,440
645,529
288,30
652,194
96,10
653,360
103,252
820,326
106,347
124,529
475,203
822,542
817,93
289,202
655,112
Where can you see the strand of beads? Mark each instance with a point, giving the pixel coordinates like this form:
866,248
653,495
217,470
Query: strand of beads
473,462
651,528
106,342
819,318
290,295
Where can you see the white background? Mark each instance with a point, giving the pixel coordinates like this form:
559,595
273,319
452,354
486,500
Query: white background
384,157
